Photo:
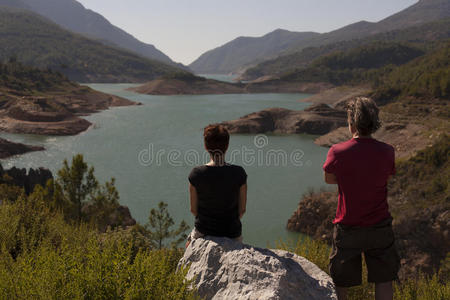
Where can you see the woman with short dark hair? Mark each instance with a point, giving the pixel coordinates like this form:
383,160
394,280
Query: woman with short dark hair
361,168
218,190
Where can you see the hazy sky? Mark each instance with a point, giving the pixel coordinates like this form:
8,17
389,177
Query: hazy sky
184,29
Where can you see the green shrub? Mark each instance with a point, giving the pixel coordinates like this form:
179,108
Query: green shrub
46,255
42,257
424,178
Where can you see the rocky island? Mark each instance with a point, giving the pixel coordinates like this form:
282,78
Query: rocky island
316,119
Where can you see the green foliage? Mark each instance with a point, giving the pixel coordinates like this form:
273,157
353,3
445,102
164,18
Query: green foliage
35,41
76,182
371,56
84,265
395,71
42,256
77,193
424,288
16,76
353,66
159,228
424,179
9,193
313,250
427,76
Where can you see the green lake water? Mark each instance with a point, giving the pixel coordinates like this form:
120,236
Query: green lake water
150,150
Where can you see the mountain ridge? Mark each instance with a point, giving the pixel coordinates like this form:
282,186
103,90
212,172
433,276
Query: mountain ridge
421,12
73,16
218,56
34,40
425,35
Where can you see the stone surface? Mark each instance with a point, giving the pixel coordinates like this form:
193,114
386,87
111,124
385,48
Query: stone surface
226,269
314,215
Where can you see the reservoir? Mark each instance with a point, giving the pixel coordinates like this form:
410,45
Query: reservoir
150,150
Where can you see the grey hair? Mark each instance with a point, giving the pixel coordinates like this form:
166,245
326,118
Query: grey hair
362,113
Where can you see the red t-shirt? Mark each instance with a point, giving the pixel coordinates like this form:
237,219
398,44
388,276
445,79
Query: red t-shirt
362,167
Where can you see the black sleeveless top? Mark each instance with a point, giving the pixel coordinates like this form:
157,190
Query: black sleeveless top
218,199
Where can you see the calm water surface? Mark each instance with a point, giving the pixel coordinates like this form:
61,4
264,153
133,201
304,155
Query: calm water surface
150,150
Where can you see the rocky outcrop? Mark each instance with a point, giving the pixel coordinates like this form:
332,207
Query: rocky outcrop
314,215
317,119
55,114
8,148
27,180
226,269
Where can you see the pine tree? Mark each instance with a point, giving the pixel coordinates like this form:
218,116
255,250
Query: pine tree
76,182
159,228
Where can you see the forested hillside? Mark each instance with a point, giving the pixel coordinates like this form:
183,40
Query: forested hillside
427,76
354,66
18,78
71,15
393,70
36,41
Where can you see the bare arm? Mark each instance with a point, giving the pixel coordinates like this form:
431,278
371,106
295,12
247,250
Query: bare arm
242,200
329,178
194,199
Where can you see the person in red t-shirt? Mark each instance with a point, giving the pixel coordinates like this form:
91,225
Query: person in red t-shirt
361,168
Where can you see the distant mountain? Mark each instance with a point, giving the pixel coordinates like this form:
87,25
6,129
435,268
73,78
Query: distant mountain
422,12
425,34
36,41
245,50
72,15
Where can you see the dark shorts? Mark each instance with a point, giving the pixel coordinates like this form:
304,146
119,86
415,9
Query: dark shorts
377,244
